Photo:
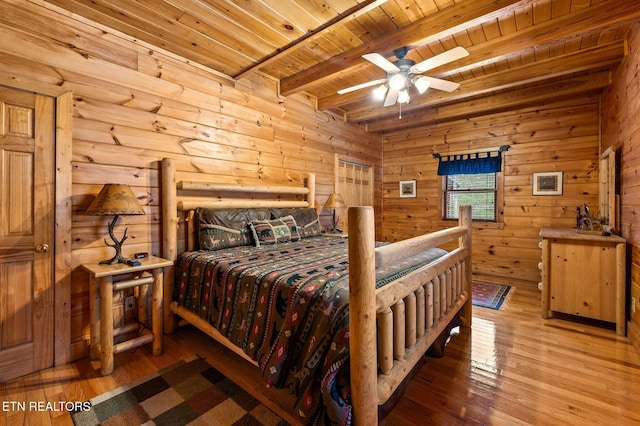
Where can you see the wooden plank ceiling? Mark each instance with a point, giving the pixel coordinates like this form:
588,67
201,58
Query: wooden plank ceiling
520,51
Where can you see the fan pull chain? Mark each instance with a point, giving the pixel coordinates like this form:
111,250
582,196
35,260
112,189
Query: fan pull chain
400,116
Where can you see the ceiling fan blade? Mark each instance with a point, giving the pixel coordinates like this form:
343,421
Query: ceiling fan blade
392,96
380,61
441,59
436,83
361,86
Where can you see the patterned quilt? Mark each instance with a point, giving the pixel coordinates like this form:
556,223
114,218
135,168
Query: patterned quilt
286,306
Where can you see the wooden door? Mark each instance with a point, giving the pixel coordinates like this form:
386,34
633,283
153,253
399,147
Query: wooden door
355,183
26,232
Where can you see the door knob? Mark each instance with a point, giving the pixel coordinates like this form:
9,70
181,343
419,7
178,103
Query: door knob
42,248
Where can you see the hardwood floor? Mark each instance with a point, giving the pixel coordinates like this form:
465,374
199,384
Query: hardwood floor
511,368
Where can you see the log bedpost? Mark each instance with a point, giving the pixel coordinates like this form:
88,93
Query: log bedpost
362,315
466,222
311,184
169,236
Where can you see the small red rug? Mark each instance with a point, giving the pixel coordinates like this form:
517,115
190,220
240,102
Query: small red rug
489,295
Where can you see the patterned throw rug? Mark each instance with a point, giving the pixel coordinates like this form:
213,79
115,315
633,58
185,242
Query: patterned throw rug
488,295
188,392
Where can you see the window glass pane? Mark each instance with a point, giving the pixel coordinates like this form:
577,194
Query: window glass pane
483,205
478,190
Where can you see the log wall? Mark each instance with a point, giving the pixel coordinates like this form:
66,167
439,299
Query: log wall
134,104
621,131
559,136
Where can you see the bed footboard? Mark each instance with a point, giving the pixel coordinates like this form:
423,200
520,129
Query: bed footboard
391,328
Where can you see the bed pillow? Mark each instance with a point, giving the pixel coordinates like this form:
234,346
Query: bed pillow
224,228
280,230
293,227
306,219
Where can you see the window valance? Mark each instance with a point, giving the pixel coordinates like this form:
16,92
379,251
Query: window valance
472,163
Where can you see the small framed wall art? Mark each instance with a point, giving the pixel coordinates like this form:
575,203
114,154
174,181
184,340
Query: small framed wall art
547,183
407,189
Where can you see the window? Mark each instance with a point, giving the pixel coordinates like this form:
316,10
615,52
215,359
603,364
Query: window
472,178
479,190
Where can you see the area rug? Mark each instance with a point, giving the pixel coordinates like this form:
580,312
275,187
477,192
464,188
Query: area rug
188,392
488,295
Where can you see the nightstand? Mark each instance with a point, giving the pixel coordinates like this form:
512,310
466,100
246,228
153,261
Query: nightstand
101,288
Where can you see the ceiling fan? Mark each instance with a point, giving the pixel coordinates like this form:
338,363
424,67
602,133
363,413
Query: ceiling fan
403,73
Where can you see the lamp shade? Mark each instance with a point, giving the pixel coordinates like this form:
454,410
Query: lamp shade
115,199
335,201
403,97
422,84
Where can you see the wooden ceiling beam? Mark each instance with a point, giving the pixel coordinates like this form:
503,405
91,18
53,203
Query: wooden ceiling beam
563,65
492,104
432,27
572,25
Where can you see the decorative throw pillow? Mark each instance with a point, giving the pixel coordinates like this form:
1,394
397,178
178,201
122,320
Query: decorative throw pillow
224,228
293,227
311,229
215,237
274,231
306,219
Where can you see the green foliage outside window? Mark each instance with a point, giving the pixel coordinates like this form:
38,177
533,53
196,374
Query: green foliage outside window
478,190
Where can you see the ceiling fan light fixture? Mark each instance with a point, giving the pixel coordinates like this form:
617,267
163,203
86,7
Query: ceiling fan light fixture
403,73
422,84
403,97
380,92
397,81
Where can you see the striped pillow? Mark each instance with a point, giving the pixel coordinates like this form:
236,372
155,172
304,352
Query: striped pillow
280,230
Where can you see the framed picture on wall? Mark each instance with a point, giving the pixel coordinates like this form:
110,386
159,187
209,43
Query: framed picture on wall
407,189
547,183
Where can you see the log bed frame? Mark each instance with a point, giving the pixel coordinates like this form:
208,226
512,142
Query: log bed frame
390,328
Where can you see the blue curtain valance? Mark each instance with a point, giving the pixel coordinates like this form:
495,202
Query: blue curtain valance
471,164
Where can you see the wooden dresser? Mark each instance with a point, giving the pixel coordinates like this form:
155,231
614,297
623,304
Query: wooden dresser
584,275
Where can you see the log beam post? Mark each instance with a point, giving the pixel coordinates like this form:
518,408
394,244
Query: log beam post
169,236
465,241
362,315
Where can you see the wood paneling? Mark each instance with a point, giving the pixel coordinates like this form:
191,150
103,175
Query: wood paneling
561,136
621,122
134,104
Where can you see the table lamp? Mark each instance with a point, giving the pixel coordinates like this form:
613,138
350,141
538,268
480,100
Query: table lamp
115,199
335,202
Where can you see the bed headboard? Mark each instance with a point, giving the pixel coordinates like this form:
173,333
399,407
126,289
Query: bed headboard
187,195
